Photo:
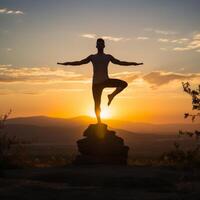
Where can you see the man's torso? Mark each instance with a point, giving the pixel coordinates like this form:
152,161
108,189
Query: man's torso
100,67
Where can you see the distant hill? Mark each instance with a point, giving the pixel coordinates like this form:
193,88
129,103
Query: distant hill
142,138
85,121
50,121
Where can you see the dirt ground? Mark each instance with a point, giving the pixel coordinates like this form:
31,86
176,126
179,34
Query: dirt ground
99,182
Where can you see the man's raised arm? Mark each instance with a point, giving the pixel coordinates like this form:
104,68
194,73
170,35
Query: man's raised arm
75,63
124,63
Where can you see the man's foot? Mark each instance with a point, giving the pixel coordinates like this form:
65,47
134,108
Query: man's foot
110,98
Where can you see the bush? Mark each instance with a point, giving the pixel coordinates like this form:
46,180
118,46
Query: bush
179,155
6,142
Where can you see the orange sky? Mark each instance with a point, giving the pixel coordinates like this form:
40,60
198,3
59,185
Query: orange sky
155,97
35,35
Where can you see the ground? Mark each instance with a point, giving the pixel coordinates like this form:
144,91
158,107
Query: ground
100,182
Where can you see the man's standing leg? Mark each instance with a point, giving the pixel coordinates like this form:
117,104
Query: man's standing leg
97,91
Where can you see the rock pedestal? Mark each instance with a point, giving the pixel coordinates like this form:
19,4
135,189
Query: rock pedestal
101,146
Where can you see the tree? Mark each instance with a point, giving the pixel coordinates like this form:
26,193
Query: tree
184,156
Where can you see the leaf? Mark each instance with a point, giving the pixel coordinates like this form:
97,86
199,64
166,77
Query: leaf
193,118
190,134
186,115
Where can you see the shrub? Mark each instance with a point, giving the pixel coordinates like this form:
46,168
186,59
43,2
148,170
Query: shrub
180,155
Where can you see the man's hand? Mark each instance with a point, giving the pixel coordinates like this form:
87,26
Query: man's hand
58,63
139,63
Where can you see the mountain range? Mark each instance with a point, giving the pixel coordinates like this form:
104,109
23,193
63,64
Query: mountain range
142,138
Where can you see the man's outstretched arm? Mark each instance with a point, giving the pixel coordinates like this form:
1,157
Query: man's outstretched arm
75,63
124,63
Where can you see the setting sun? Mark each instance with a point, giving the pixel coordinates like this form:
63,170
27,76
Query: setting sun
105,113
56,79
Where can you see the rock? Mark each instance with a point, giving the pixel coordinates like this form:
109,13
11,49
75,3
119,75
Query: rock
101,146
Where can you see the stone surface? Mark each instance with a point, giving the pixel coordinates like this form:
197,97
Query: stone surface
101,146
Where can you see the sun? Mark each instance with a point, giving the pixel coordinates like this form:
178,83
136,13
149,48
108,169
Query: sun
105,113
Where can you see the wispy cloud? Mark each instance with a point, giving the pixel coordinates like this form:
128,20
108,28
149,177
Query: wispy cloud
161,32
159,78
9,74
39,80
9,49
180,41
155,78
170,37
196,36
126,75
194,44
165,32
115,39
5,65
142,38
177,41
89,35
29,89
106,37
163,40
11,12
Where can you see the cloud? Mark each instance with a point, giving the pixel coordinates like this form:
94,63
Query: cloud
155,78
39,80
159,78
2,10
183,39
40,89
161,32
182,69
106,37
126,75
89,35
36,80
177,41
194,44
180,41
9,74
196,36
5,65
142,38
9,49
163,40
11,12
115,39
165,32
19,12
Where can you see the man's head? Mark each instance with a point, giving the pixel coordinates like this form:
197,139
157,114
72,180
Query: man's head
100,43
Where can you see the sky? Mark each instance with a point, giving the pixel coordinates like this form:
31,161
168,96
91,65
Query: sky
35,35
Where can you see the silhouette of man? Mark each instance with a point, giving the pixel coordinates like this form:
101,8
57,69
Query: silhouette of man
100,62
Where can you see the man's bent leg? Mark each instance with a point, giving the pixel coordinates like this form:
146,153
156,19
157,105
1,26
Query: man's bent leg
97,91
119,84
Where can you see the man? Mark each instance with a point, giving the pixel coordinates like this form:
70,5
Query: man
101,80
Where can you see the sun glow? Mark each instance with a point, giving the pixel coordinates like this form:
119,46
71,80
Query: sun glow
105,113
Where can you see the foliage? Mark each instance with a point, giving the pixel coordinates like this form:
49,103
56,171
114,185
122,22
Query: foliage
8,159
195,94
183,156
5,141
180,155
